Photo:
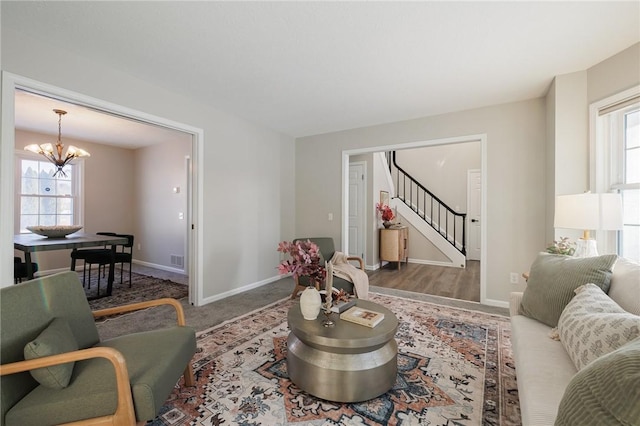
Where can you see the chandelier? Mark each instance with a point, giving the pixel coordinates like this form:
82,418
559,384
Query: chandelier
47,149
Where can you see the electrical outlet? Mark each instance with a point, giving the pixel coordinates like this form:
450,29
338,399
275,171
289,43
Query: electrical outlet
513,277
139,246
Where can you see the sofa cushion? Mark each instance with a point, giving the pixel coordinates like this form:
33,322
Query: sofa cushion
543,370
56,339
592,325
553,278
155,360
625,285
606,392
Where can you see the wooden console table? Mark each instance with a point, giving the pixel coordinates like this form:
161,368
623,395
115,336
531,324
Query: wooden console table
394,244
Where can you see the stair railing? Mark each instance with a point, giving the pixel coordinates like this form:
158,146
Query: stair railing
450,224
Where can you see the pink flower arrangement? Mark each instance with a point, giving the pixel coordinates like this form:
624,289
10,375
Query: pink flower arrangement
305,260
385,211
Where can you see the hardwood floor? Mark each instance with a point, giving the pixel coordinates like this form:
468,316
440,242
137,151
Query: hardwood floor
456,283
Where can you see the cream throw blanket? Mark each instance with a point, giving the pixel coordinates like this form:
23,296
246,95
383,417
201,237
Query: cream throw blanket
343,269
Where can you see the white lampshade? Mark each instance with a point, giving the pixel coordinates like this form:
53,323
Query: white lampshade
611,217
589,212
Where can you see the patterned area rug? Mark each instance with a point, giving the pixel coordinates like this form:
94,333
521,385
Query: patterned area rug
143,287
454,368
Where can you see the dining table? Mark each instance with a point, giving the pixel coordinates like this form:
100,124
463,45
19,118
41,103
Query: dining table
32,243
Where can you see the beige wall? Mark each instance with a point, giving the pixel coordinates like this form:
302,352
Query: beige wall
568,100
243,222
615,74
569,148
107,187
550,161
443,169
515,178
159,232
248,175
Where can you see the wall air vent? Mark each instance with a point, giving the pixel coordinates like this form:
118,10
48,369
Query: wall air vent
177,260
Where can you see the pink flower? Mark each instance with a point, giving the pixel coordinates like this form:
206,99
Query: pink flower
304,260
386,212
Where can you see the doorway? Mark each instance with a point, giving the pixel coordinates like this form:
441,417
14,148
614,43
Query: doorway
474,215
481,138
357,211
11,83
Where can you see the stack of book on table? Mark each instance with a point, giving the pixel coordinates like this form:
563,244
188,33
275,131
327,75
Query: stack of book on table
362,316
341,306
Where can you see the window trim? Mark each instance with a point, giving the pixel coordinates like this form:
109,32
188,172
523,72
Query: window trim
78,185
602,172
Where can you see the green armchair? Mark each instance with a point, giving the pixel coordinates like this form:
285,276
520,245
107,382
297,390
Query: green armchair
327,249
69,374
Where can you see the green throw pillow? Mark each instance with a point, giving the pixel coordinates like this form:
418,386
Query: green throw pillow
553,278
605,392
57,338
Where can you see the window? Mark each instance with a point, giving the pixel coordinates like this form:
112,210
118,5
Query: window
42,199
629,239
616,165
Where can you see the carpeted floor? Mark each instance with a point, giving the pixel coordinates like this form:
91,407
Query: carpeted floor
455,368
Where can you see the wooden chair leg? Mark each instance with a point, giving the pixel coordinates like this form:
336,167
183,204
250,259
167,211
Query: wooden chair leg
296,290
189,379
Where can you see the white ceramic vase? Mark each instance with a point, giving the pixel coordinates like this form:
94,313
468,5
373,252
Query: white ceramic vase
310,303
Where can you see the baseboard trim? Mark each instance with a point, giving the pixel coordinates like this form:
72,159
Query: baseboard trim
377,266
432,262
247,287
496,303
161,267
52,271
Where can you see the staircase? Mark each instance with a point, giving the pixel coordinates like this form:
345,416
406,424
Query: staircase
438,222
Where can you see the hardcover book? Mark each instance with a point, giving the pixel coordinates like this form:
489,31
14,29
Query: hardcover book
362,316
340,307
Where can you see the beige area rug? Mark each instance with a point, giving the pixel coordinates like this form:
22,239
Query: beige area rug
143,287
455,367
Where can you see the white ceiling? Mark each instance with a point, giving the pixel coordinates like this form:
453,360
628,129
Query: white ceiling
35,113
306,68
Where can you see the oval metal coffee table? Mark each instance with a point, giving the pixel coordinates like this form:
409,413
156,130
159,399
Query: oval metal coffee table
345,363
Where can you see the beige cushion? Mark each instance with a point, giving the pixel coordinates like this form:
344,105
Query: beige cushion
625,285
553,278
592,325
57,338
543,370
606,392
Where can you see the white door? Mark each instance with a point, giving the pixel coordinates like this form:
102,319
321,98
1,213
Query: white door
356,209
474,207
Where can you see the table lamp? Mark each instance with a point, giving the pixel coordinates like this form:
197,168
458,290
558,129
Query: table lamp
601,212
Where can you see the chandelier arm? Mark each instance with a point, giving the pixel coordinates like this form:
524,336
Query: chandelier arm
49,150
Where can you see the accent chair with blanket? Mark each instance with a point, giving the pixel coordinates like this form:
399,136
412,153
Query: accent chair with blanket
345,274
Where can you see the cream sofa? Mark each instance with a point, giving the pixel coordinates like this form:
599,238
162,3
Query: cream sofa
543,367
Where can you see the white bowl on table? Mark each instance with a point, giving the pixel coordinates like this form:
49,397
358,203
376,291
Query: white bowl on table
55,231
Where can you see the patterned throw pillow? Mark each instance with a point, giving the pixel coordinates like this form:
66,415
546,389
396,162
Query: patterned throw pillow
592,325
552,279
